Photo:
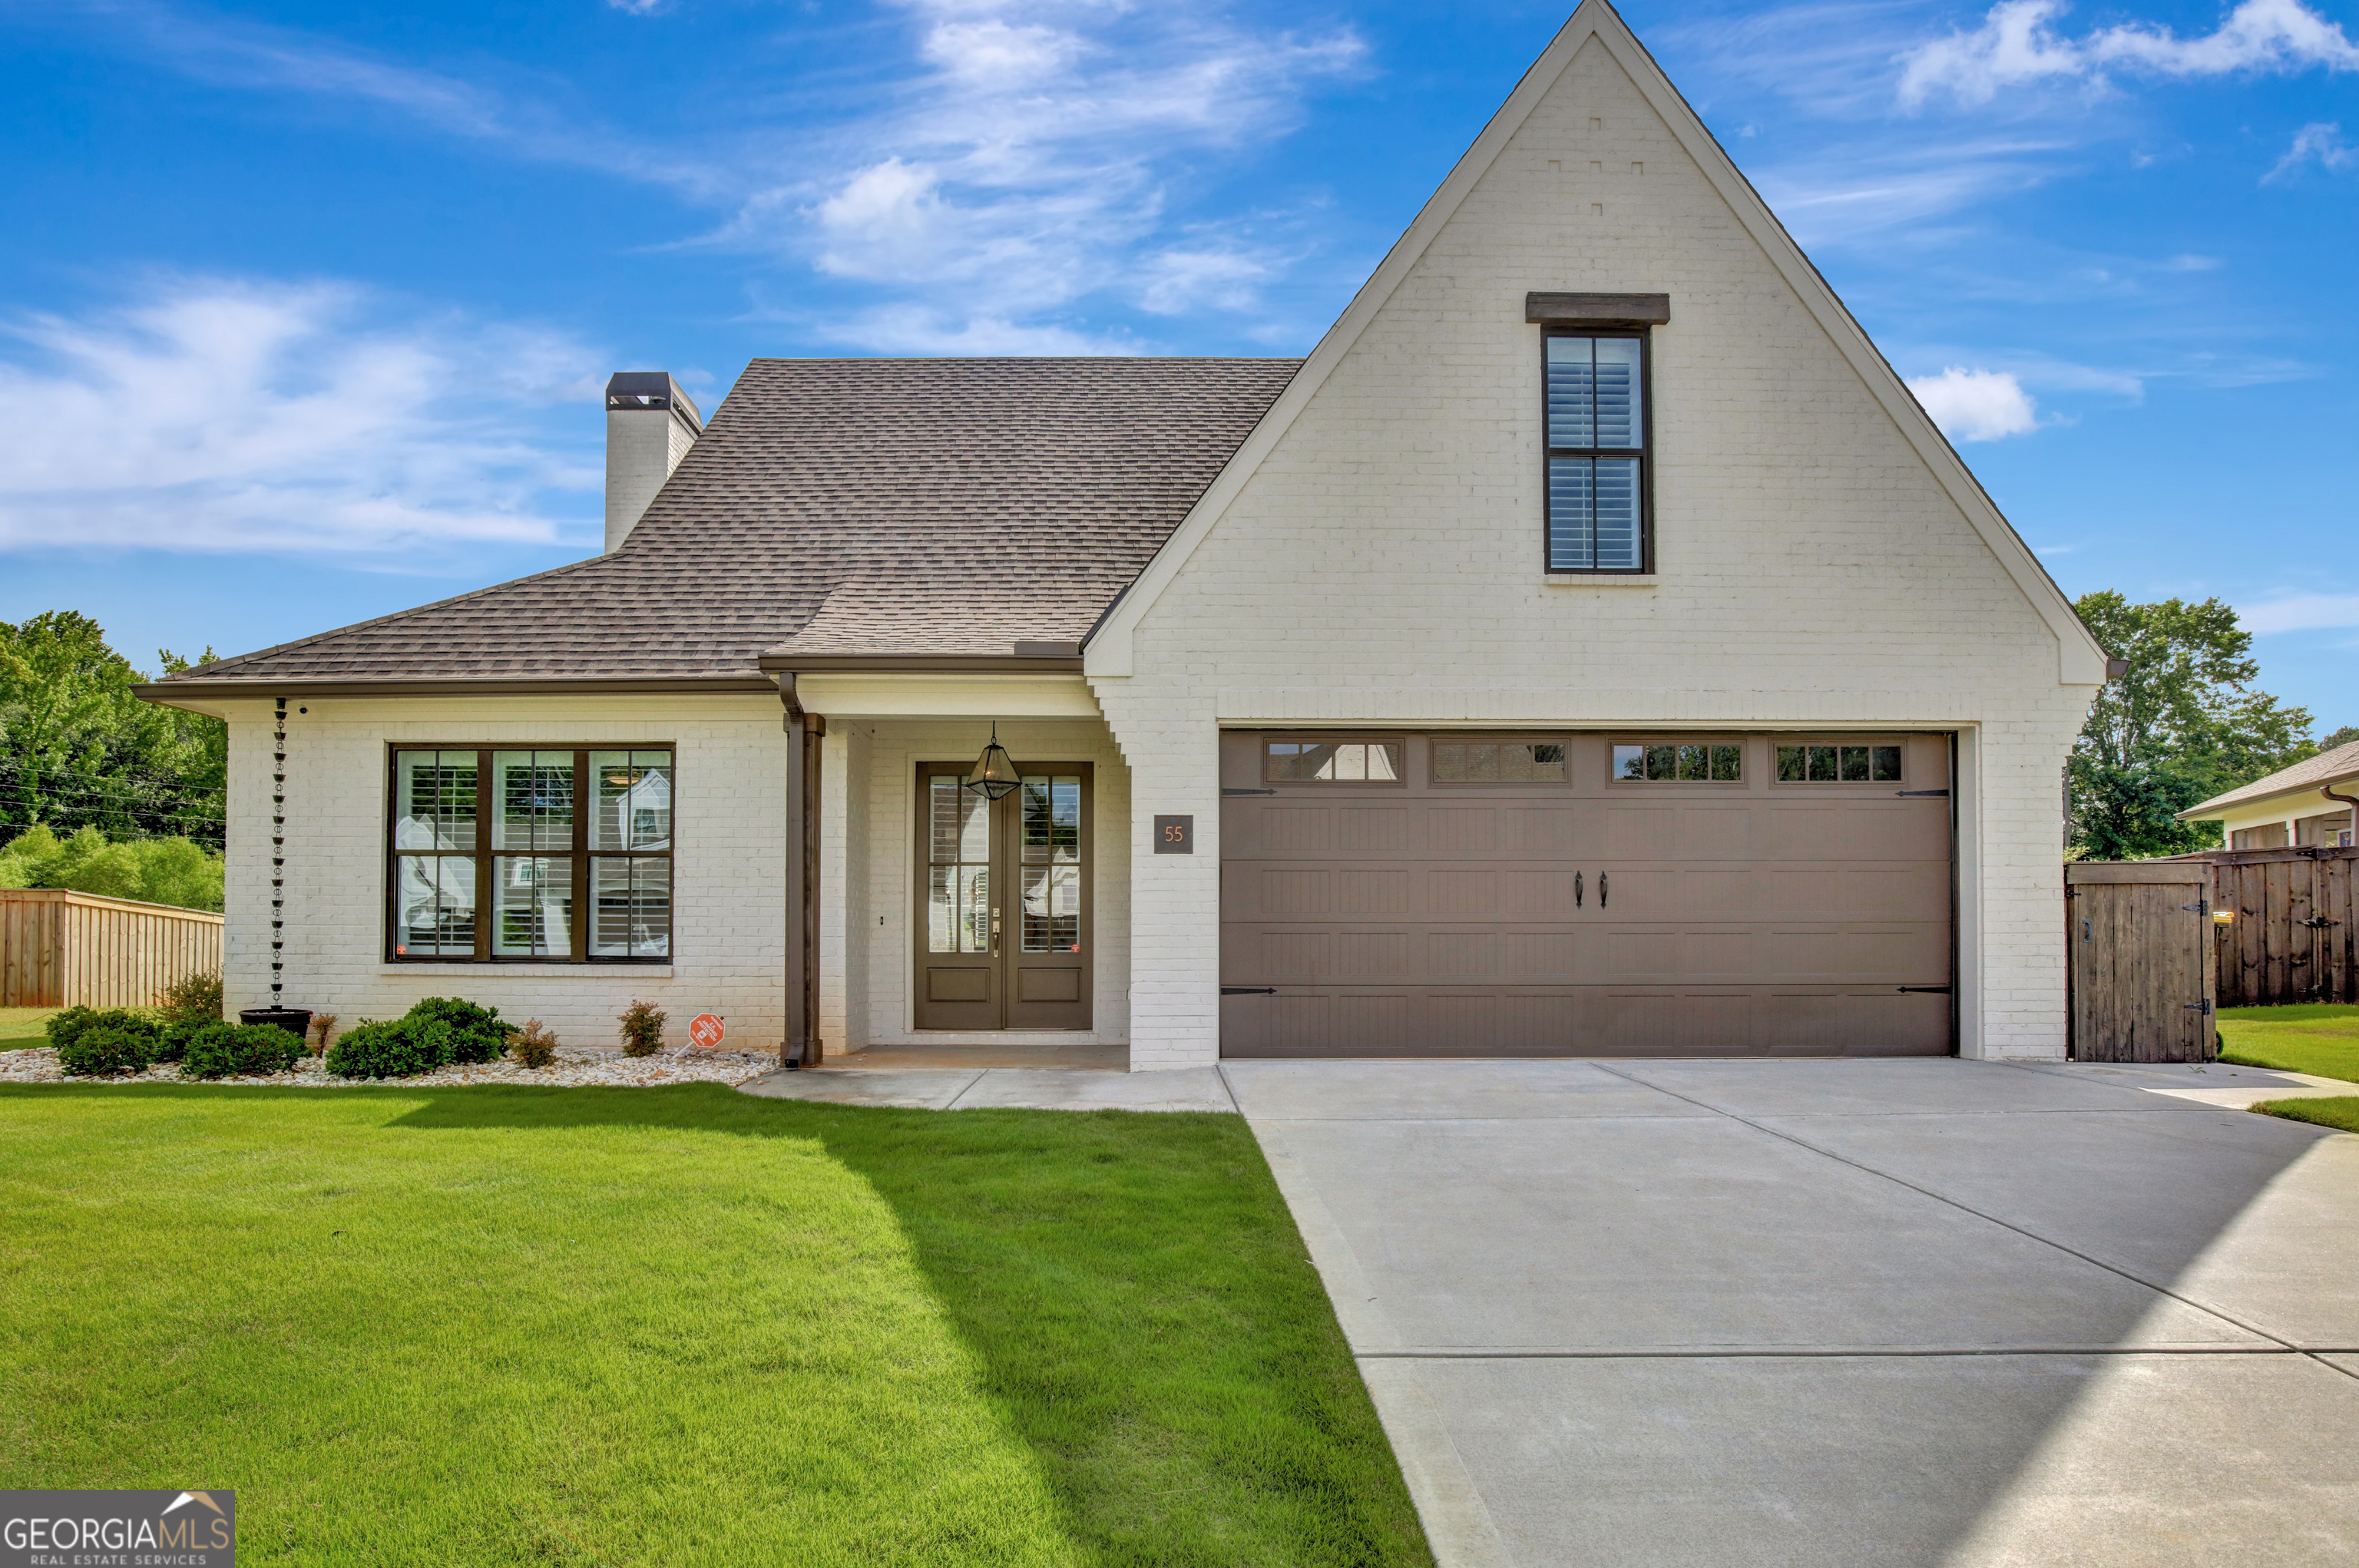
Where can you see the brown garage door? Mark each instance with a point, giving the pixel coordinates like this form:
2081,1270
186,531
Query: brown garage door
1585,895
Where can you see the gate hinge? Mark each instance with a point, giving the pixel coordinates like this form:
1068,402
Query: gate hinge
2201,906
1248,990
2203,1007
1930,990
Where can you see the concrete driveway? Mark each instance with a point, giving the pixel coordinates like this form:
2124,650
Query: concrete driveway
1826,1314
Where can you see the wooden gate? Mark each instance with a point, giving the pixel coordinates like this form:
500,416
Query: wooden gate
2142,968
2292,929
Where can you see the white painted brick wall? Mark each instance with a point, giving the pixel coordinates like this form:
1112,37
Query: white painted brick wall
1385,563
729,822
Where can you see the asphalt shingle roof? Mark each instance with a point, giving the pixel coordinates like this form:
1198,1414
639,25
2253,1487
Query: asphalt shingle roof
2326,768
922,507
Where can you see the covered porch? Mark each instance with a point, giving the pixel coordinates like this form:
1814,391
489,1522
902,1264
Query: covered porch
943,929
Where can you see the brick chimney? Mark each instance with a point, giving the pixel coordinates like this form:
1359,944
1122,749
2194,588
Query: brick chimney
650,425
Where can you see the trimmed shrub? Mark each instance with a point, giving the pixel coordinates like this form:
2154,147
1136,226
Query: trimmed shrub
477,1033
641,1028
197,998
173,1036
401,1048
63,1028
106,1049
244,1051
533,1045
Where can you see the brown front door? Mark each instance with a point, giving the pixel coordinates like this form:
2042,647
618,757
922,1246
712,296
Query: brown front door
1632,894
1004,893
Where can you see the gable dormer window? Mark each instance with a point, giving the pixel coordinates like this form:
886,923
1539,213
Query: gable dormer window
1595,390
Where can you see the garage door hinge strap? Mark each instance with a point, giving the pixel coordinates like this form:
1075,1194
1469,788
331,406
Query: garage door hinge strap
1248,990
1248,791
1944,793
1930,990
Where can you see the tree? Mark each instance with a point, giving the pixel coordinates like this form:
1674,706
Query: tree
2184,724
2343,737
78,749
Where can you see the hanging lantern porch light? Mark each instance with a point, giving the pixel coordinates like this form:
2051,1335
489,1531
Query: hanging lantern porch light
994,772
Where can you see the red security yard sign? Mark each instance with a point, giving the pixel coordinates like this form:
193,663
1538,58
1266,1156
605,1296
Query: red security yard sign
705,1029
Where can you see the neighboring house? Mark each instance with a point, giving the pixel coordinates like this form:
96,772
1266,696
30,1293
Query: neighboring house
2290,808
1590,647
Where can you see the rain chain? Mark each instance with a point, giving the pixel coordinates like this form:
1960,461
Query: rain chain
278,860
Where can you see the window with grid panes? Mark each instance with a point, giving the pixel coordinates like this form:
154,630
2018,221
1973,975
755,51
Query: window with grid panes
1595,393
1839,764
542,855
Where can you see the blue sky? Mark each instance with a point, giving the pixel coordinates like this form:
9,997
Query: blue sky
305,310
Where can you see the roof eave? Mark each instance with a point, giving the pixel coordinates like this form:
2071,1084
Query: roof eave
923,663
2219,806
169,693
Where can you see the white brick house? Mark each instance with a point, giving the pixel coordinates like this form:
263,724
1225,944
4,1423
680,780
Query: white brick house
1591,647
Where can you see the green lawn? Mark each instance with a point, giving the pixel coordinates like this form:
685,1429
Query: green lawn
2340,1111
21,1027
2311,1037
518,1325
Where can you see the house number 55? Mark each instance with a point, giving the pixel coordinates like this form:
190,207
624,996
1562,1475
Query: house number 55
1175,836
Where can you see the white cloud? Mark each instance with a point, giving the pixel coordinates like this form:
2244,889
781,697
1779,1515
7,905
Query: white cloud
219,415
1977,405
2301,612
1031,165
2322,140
2016,44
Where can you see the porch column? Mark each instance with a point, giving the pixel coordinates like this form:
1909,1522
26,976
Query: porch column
801,1046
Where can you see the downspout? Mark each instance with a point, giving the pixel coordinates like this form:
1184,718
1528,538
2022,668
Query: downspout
800,1047
2351,800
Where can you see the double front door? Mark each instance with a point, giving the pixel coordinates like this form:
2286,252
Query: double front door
1003,892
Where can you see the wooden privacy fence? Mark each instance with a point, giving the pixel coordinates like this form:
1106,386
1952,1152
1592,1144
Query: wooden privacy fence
2291,936
2141,960
61,949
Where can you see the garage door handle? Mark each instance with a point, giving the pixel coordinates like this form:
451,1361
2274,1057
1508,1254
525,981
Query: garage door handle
1928,990
1576,889
1601,890
1248,990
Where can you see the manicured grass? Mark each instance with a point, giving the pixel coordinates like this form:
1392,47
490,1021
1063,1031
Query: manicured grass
2339,1111
2309,1036
21,1027
493,1325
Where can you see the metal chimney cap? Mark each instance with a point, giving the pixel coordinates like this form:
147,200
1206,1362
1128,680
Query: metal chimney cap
652,389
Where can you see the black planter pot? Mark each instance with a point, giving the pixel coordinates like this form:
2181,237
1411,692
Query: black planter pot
296,1021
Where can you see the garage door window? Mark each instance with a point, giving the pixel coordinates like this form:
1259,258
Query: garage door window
1333,762
1839,764
1498,762
1708,764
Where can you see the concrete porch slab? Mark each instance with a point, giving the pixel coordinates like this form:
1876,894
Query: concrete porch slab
1021,1088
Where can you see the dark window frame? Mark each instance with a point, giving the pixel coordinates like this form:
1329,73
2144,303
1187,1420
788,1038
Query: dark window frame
1743,781
1838,741
484,855
1289,738
1644,452
1484,737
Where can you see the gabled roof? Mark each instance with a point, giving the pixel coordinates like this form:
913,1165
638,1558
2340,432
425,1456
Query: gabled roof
2335,767
836,508
2080,659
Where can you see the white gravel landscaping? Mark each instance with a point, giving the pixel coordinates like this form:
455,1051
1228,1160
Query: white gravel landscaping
573,1069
